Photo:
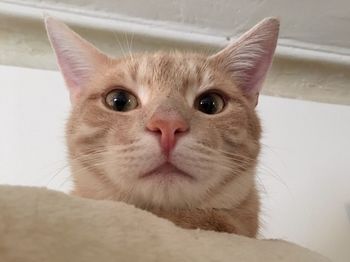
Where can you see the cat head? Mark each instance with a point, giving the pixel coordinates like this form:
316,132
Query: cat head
164,129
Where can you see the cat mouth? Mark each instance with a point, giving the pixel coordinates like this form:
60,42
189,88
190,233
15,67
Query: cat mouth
167,170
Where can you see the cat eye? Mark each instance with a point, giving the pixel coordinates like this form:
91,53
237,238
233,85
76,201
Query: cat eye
121,100
210,103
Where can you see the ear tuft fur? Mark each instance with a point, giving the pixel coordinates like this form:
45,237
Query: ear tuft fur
77,58
249,58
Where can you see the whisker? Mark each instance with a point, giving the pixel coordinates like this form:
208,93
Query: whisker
233,162
58,172
120,44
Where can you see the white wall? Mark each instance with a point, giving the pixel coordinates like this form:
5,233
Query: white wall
304,171
33,110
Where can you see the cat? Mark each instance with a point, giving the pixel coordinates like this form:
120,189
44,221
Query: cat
172,133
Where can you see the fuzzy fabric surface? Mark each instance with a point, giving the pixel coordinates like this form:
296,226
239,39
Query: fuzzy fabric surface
37,224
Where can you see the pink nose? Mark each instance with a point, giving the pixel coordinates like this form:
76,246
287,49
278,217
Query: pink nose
168,127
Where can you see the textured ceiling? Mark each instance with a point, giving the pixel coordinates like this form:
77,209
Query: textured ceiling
314,24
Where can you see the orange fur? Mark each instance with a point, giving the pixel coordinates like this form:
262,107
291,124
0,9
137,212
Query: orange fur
108,150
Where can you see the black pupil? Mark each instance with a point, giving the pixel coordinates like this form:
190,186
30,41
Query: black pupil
208,105
121,101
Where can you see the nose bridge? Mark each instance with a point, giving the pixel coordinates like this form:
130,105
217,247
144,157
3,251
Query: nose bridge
168,120
170,108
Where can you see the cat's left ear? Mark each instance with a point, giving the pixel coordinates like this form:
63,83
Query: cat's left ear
78,60
249,58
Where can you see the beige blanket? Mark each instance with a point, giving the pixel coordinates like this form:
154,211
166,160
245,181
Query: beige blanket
38,225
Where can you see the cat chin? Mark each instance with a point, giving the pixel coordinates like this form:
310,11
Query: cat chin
178,192
166,191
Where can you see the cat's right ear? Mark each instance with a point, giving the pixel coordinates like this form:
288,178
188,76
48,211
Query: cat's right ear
78,60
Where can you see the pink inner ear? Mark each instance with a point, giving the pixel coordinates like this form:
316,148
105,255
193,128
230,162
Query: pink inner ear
248,60
78,60
257,73
77,68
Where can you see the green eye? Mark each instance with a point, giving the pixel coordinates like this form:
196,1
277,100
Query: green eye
121,100
210,103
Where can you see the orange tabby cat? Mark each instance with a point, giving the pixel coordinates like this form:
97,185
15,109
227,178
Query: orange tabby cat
173,133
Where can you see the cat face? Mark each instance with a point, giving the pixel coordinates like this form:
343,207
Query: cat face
167,130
